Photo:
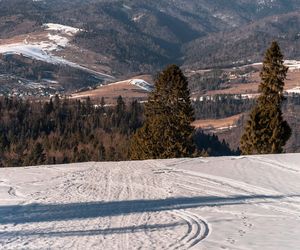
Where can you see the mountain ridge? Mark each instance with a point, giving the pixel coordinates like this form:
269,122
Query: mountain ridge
127,38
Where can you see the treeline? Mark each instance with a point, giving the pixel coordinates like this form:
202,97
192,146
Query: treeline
221,106
64,131
211,80
211,145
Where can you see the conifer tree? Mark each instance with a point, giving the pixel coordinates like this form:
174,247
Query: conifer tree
266,131
167,130
37,155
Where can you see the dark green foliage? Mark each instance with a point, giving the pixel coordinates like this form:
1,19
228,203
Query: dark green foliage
166,132
64,131
37,155
211,80
221,106
211,145
266,131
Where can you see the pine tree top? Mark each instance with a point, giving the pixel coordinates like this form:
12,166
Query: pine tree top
273,74
171,93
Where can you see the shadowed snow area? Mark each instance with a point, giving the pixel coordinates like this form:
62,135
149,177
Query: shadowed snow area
250,202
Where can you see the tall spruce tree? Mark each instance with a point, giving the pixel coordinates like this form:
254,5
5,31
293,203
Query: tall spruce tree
167,130
266,132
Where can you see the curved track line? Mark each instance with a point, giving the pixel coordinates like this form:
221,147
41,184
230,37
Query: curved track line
197,231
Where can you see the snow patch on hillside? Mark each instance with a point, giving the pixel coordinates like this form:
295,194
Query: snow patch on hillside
265,3
226,18
137,82
68,30
38,52
57,39
33,51
42,50
138,17
293,65
142,84
295,90
127,7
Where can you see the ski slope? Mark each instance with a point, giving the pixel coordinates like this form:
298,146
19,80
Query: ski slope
56,38
205,203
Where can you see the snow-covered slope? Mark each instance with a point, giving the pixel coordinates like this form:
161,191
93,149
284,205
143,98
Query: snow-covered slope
205,203
71,31
142,84
57,38
44,47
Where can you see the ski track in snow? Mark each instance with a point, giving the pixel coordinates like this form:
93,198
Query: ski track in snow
206,203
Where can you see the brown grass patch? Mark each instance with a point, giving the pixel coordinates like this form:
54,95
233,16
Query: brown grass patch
112,91
293,80
217,123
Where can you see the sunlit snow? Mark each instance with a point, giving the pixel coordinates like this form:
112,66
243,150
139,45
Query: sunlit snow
248,202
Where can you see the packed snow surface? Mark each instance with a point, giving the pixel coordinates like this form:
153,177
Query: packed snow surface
206,203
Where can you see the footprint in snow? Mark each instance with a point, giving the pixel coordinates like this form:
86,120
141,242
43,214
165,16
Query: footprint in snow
231,241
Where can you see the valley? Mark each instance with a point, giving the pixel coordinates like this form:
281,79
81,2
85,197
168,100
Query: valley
62,47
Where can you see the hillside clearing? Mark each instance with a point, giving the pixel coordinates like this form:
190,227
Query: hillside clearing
217,124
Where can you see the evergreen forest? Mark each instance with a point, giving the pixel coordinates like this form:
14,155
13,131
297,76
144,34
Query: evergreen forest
63,131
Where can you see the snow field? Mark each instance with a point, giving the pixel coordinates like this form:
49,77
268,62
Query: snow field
206,203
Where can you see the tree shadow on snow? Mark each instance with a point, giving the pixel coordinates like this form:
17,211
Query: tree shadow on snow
20,214
89,232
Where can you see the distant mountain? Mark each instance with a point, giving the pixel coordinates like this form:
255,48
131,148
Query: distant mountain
123,38
245,44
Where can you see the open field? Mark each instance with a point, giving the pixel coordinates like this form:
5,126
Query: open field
217,124
206,203
293,80
127,89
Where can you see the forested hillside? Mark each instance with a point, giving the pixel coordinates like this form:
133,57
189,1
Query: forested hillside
133,36
63,131
246,44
